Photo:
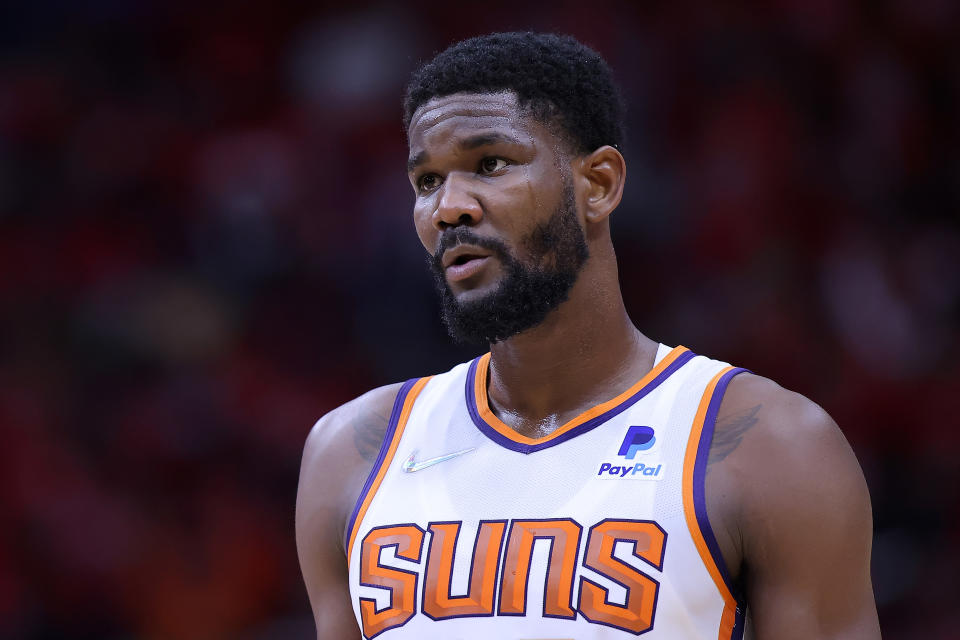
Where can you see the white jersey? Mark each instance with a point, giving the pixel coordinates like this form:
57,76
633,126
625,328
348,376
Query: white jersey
467,529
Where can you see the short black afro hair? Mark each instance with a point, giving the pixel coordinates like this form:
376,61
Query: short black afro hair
563,82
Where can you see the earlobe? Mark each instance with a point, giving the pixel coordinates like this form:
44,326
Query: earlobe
605,173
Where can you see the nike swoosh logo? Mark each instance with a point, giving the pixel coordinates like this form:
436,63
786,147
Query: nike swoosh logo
410,464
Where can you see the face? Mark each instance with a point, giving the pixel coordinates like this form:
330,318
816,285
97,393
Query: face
495,207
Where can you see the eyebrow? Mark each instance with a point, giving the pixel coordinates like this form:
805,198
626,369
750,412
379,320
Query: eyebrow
416,161
473,142
483,139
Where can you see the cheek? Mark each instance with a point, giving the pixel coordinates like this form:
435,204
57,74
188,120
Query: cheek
527,203
424,226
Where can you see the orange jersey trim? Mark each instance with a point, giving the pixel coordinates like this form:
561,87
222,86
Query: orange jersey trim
728,618
388,458
483,404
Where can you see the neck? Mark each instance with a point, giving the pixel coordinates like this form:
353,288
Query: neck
587,351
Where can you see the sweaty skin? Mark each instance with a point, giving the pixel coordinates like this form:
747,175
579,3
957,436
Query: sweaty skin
785,494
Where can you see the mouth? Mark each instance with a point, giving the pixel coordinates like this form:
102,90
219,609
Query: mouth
464,261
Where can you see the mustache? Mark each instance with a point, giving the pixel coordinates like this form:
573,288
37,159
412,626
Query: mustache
462,235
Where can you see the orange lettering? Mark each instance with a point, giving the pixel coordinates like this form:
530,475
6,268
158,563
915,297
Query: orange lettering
408,541
437,601
648,540
564,536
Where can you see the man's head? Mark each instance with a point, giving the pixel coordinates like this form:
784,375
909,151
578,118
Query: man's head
559,81
513,162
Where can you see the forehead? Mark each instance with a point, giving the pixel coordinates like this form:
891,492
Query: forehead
468,114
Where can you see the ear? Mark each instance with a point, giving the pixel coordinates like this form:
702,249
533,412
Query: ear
603,172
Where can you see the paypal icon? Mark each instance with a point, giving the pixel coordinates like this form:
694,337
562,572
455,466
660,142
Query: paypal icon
638,438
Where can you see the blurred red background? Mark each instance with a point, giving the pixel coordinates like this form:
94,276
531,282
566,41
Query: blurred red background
206,243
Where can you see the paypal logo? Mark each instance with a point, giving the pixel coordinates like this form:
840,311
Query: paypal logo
643,471
638,438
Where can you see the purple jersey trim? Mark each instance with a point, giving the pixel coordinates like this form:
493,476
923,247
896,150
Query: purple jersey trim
699,492
521,447
384,447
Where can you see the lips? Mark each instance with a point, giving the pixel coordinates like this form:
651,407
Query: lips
461,254
464,261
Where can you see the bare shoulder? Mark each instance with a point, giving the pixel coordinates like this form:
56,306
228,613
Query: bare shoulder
337,458
764,429
359,424
339,453
796,509
773,454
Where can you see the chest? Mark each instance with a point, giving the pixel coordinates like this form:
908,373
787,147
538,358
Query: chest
592,531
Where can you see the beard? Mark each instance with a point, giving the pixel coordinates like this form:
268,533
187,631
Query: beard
528,291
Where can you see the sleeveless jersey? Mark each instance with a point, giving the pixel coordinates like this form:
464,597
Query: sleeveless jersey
467,529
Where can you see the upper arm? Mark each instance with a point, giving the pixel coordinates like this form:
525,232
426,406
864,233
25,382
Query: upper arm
337,457
805,521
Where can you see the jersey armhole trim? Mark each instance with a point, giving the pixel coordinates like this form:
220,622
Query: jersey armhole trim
695,507
402,406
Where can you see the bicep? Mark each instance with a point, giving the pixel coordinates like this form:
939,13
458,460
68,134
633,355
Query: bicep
322,561
337,457
325,577
807,542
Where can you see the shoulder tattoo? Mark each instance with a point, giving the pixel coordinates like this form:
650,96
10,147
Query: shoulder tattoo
369,428
729,432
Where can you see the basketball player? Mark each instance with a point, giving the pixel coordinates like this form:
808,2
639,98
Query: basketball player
579,480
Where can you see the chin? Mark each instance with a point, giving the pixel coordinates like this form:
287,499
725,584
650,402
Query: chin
472,295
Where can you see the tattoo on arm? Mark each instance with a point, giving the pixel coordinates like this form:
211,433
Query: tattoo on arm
729,432
369,428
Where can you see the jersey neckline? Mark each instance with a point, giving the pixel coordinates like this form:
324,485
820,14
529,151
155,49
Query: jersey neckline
490,425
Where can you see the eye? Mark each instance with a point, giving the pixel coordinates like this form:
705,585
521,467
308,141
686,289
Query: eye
428,182
491,164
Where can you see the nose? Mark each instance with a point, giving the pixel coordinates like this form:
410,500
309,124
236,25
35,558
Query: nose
457,205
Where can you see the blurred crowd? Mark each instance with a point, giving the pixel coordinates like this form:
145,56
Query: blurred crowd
206,243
